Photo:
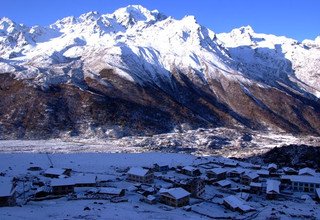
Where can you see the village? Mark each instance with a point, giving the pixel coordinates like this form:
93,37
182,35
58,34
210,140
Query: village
207,187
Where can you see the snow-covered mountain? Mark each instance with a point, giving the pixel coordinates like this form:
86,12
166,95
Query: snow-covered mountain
137,70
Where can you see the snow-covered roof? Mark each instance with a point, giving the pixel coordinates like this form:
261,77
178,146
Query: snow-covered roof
55,171
85,179
217,170
235,203
243,195
6,188
138,171
176,193
272,165
307,171
189,168
231,163
151,198
251,175
224,183
110,190
253,184
273,186
237,170
302,179
287,169
263,172
62,182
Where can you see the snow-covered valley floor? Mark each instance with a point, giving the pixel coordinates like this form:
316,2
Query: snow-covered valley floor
112,166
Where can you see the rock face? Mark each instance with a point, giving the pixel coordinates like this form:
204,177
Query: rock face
140,72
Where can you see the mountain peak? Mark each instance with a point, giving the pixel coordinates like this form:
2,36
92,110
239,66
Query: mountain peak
5,23
245,30
92,15
134,13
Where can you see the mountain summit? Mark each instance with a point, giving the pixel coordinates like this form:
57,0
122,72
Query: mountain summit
137,71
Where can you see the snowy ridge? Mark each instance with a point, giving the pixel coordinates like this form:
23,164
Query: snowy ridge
154,44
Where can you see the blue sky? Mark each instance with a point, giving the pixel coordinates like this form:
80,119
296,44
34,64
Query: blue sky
299,19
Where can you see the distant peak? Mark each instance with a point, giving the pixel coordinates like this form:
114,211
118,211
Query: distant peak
246,29
5,22
133,13
190,18
90,15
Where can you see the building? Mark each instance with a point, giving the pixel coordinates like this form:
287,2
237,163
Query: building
175,197
289,171
217,173
84,180
272,167
302,183
224,183
256,187
7,192
235,204
273,189
307,171
160,167
140,175
236,172
230,163
195,186
56,172
191,171
263,173
249,177
111,191
62,186
150,199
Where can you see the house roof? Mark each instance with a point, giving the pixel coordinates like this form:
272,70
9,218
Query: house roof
224,183
55,171
251,175
288,169
273,186
307,171
237,170
84,179
176,193
253,184
272,165
6,187
110,190
231,163
263,172
138,171
151,198
302,179
235,202
62,182
189,168
218,170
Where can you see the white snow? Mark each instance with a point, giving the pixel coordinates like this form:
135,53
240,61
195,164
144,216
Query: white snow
177,193
6,188
55,171
307,171
273,186
62,182
138,171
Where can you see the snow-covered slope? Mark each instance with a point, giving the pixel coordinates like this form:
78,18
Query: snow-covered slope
135,54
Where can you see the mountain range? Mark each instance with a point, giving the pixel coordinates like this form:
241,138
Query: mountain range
140,72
